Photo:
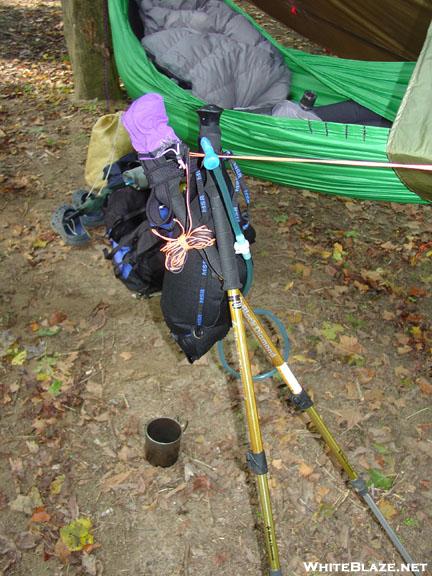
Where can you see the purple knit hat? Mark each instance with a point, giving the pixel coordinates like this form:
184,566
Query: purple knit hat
146,122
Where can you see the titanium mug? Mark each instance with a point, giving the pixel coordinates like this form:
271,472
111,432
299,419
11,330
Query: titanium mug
162,441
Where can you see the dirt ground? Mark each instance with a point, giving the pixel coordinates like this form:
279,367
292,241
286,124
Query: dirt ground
84,366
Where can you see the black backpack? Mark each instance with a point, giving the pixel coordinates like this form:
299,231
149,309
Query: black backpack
135,255
193,302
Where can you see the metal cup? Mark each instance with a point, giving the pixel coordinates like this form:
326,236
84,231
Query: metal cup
162,441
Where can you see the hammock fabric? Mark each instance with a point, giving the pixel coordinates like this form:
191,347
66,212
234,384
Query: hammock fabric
379,86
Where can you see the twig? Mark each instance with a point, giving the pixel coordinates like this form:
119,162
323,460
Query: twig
359,390
186,558
341,500
203,464
418,412
126,401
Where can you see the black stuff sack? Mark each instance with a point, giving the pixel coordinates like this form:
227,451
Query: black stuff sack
193,302
135,253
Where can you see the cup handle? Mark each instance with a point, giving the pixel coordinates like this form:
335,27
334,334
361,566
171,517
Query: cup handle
183,423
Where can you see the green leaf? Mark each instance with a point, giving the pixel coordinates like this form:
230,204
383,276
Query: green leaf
410,522
355,322
351,234
55,387
379,480
77,534
46,363
48,331
281,218
380,448
330,330
19,358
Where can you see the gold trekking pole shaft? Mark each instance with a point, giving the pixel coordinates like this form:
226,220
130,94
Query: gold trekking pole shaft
256,457
300,397
225,230
302,400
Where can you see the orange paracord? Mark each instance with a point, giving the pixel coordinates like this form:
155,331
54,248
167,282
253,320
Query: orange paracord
176,249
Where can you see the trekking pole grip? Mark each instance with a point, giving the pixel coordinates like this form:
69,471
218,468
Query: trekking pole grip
210,138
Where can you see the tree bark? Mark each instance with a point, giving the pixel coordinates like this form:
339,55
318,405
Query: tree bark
88,39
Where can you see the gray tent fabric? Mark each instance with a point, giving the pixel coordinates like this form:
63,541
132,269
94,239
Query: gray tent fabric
226,60
410,139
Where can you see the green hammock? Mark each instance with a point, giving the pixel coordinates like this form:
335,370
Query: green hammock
379,86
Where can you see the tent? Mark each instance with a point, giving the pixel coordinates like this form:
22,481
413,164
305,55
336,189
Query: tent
410,137
364,29
378,86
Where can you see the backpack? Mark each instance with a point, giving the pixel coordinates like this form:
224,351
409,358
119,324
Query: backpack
135,254
193,302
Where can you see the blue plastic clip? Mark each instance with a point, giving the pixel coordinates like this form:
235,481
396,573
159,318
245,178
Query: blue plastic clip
211,159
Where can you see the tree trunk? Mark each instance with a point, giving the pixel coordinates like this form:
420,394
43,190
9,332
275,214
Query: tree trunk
88,39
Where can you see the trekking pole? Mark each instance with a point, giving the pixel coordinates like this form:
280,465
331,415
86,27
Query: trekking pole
210,138
302,400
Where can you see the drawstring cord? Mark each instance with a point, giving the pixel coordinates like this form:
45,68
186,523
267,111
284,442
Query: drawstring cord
176,249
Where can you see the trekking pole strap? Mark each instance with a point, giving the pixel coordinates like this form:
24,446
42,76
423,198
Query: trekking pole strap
224,239
210,138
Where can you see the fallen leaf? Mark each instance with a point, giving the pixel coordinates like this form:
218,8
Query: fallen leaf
89,564
94,389
416,292
132,426
305,470
125,453
22,504
338,252
379,480
404,350
57,317
48,331
6,545
115,481
302,359
348,345
32,446
330,330
39,243
387,508
62,551
366,375
56,484
126,355
26,540
202,483
424,385
77,534
19,358
40,516
401,371
352,416
17,467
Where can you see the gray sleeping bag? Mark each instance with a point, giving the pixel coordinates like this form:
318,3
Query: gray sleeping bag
217,50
